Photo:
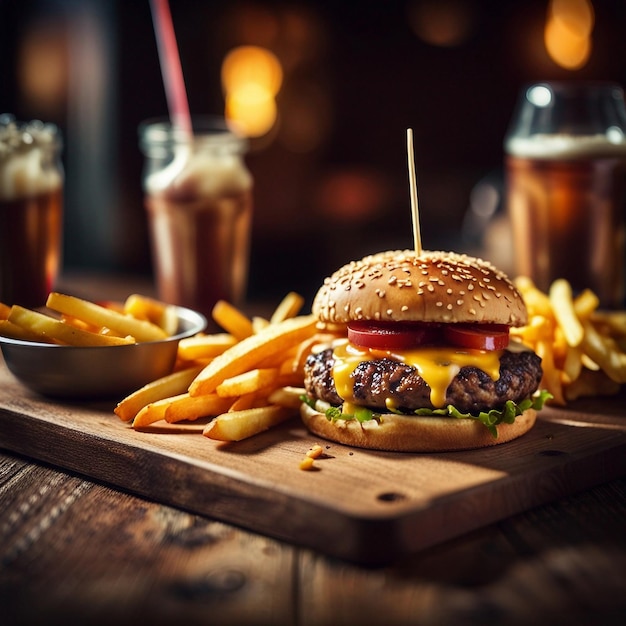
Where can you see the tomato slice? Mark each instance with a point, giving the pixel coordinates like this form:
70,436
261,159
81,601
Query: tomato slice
393,336
478,336
407,335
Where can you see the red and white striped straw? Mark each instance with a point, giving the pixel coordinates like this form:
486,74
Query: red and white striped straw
170,66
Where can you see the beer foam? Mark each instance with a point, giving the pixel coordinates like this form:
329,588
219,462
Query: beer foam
201,175
26,165
544,146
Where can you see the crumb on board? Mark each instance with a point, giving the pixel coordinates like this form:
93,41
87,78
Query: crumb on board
307,463
314,452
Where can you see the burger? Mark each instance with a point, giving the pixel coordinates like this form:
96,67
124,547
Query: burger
422,359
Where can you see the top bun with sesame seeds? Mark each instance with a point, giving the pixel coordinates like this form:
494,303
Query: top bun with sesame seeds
399,286
426,363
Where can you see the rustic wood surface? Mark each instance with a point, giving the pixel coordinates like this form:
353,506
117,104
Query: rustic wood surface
78,549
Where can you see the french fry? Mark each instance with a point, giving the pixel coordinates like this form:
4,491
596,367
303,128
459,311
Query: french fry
572,364
247,382
287,396
535,300
562,304
97,315
603,351
289,307
5,309
585,304
551,375
259,323
153,412
77,323
189,408
205,346
165,387
232,320
51,330
13,331
151,310
250,351
238,425
248,401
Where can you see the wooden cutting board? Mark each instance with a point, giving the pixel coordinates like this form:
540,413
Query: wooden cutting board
363,506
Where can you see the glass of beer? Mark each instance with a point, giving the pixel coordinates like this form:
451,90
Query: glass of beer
566,186
198,197
31,200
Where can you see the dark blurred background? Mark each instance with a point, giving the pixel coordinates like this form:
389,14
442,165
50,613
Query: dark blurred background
330,169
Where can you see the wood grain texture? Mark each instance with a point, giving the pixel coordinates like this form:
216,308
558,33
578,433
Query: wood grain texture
362,506
76,551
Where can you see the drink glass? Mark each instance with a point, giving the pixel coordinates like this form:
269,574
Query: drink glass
198,197
31,201
566,186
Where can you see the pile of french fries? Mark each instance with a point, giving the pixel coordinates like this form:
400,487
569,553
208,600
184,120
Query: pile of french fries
583,349
247,378
77,322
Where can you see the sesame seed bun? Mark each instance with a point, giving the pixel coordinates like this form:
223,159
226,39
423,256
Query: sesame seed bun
399,286
402,433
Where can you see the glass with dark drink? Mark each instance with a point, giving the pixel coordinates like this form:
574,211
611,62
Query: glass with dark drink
566,187
31,201
198,195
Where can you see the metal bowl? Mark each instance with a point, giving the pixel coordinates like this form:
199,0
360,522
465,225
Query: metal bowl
91,373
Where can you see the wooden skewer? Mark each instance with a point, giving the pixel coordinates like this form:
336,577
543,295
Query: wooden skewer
415,216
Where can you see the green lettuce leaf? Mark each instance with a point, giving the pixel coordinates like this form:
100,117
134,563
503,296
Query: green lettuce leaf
490,419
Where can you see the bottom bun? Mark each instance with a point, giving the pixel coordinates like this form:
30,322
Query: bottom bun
401,433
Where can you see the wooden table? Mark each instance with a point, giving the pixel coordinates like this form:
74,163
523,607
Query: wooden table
77,550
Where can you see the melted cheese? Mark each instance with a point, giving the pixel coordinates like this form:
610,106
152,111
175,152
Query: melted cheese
436,365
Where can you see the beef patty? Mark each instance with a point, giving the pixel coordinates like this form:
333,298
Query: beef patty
471,391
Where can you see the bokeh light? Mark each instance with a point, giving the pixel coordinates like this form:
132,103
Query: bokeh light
251,78
568,30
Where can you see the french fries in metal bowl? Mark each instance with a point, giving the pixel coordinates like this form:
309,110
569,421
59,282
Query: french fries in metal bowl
583,349
77,349
246,379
